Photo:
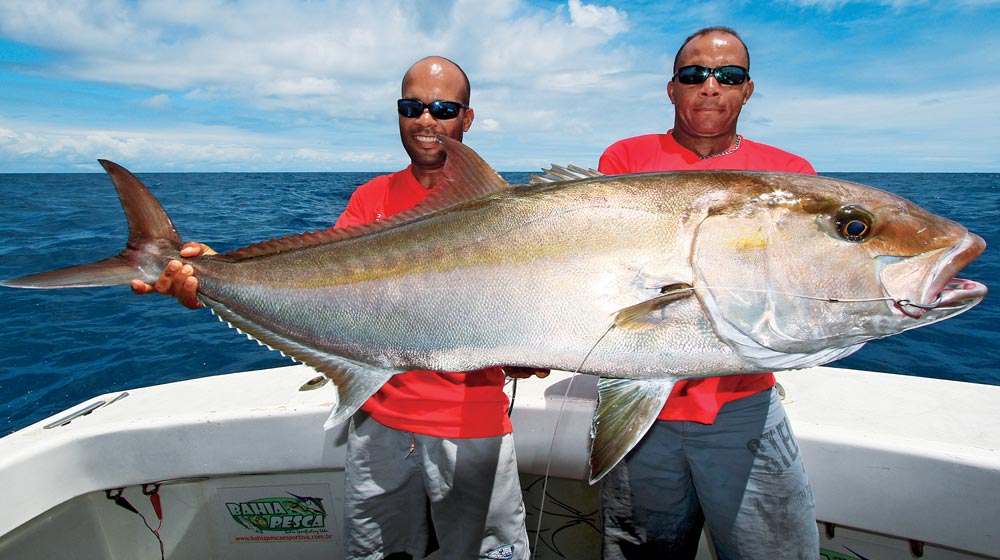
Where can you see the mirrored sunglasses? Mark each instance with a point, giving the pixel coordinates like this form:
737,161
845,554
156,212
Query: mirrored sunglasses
730,75
441,110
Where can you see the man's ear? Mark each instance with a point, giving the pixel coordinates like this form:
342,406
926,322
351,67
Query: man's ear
748,92
467,119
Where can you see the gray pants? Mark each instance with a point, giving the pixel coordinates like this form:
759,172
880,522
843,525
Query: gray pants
743,475
412,493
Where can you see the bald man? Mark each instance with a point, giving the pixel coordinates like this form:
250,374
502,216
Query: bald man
430,456
431,453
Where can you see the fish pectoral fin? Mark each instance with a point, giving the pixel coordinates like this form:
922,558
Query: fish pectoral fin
626,408
637,317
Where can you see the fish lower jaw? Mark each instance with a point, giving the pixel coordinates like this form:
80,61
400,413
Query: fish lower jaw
955,296
960,293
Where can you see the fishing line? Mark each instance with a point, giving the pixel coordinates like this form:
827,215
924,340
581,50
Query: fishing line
513,395
900,302
552,444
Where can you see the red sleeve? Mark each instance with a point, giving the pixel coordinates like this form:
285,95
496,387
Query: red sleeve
354,214
804,167
612,161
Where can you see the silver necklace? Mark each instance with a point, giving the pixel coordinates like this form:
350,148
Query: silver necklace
735,147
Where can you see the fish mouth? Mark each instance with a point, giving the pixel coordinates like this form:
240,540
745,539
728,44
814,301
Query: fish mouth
946,292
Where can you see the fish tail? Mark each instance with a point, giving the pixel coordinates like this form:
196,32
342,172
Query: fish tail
152,241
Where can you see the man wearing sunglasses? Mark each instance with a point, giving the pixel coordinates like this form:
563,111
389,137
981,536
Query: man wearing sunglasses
431,453
430,456
721,451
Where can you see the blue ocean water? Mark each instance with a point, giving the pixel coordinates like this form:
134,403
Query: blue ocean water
61,347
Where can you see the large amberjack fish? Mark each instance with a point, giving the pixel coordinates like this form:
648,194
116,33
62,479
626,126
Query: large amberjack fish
640,279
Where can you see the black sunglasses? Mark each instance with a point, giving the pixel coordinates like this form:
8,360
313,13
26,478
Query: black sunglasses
441,110
726,75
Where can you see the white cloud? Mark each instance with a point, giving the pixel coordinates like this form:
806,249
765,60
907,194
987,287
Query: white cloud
885,130
590,16
333,59
488,125
312,82
187,146
158,102
300,87
287,53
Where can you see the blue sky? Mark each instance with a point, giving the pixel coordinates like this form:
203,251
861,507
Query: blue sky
287,85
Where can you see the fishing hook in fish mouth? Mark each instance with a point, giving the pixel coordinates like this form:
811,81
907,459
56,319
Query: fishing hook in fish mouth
907,303
902,304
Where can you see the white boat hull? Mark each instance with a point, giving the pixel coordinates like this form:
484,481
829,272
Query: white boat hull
899,466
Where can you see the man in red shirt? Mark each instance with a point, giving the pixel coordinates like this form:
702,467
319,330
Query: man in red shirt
459,476
722,450
430,456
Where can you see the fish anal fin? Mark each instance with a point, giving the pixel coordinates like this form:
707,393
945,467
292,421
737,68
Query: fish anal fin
637,317
626,408
356,381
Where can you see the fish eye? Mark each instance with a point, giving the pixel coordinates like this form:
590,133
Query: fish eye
854,224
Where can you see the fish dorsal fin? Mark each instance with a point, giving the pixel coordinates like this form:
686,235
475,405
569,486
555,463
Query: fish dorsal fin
283,245
559,173
626,408
465,176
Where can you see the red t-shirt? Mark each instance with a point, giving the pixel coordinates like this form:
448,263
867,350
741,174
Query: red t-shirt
699,400
433,403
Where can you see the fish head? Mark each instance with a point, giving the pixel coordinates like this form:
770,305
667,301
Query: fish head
798,270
